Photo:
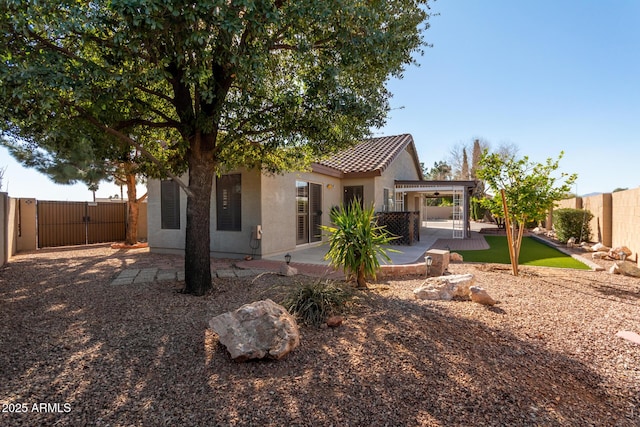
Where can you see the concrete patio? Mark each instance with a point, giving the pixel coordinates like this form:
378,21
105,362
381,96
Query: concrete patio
434,234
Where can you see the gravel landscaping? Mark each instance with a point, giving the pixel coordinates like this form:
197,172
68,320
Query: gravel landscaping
77,350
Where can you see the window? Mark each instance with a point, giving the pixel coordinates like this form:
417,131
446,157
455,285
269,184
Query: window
388,200
229,202
169,205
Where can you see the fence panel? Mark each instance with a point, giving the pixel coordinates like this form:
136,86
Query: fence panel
61,223
106,222
80,223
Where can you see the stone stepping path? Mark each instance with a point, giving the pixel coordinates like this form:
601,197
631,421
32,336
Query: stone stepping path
131,276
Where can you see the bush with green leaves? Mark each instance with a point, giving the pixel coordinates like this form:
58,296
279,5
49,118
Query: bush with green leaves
312,303
570,223
356,241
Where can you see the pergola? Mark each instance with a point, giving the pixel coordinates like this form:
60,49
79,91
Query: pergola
460,191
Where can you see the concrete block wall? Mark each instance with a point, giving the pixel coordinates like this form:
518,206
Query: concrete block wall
625,224
600,206
616,219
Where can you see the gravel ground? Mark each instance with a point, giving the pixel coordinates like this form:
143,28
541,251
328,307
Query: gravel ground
75,351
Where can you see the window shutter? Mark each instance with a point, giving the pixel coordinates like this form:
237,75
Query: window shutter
169,205
229,202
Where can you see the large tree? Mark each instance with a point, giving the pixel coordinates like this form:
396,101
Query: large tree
269,84
530,190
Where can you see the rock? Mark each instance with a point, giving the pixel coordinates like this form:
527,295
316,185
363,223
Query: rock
599,255
539,230
262,329
599,247
334,321
628,268
616,253
481,296
571,242
614,269
445,287
287,270
455,257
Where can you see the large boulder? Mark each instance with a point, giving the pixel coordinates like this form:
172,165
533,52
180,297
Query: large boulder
259,330
481,296
617,252
445,287
628,269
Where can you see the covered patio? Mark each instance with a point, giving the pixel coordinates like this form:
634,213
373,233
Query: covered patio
409,195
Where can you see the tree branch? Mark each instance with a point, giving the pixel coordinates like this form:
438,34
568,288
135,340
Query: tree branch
134,143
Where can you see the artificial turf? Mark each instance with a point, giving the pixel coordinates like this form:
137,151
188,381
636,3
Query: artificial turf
532,252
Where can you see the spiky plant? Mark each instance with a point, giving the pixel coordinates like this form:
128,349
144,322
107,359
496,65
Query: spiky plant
312,303
356,241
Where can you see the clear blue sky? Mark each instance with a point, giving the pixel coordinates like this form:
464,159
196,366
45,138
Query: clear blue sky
545,75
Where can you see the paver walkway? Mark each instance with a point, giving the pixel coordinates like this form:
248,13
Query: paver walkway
252,268
146,275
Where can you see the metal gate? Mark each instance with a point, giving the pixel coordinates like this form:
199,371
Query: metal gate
80,223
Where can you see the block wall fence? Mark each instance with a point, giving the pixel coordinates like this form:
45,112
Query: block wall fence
616,218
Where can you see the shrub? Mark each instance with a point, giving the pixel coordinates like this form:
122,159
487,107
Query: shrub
570,223
356,241
312,303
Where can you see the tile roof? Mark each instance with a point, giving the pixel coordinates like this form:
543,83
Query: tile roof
370,157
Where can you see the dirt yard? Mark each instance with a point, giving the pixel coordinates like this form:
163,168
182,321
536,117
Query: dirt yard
76,350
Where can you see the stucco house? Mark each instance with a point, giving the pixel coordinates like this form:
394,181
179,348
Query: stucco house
260,215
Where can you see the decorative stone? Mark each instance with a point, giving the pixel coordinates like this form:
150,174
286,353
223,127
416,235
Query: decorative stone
599,247
614,269
599,255
481,296
262,329
440,260
455,257
628,268
334,321
571,242
445,287
616,252
287,270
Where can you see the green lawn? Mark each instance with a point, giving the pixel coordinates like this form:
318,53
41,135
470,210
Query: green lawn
532,253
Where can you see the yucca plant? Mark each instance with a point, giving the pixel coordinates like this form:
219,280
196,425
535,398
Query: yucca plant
355,241
312,303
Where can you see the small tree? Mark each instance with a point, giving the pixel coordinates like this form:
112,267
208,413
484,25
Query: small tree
356,241
529,191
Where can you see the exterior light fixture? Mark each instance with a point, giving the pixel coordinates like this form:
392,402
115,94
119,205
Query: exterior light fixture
429,261
436,193
287,258
330,186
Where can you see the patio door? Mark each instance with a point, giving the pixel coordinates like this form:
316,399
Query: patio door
308,212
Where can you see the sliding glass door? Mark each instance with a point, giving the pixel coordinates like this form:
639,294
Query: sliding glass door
308,212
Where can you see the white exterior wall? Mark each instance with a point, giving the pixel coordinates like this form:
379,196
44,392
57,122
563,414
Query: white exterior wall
164,241
402,169
278,199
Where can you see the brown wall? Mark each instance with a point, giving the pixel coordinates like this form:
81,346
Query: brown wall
616,218
19,232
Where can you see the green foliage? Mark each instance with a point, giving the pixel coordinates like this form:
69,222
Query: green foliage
207,86
312,303
530,188
477,210
355,242
574,223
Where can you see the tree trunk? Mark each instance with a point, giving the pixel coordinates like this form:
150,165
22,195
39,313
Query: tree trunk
361,282
133,208
197,262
